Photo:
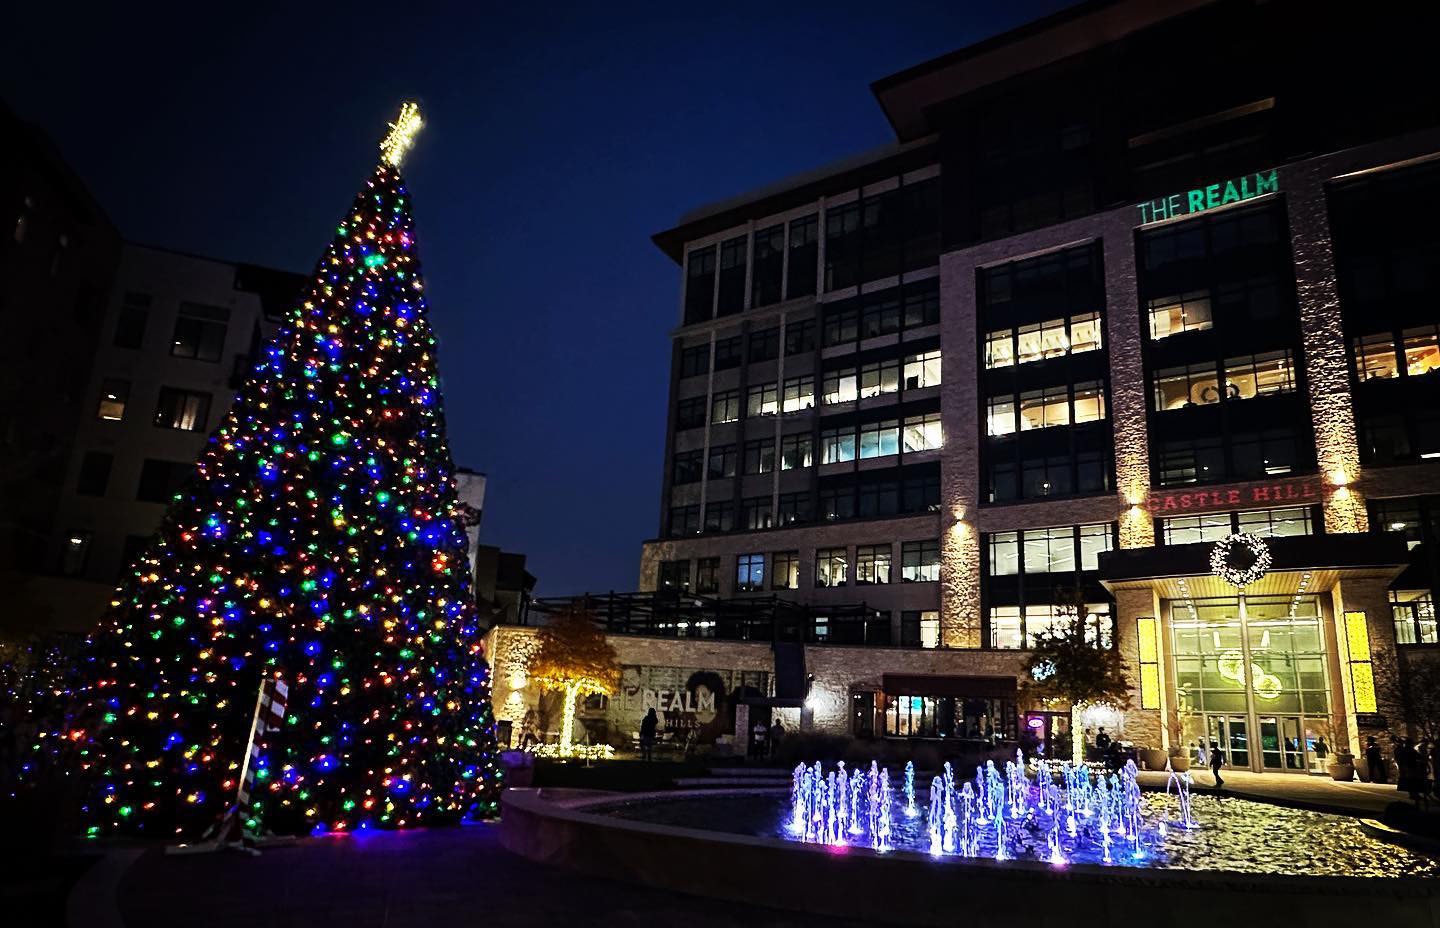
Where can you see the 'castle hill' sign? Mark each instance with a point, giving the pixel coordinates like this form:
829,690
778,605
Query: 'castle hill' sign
1202,198
1297,491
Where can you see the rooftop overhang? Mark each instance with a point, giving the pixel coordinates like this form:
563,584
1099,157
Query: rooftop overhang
908,97
1301,563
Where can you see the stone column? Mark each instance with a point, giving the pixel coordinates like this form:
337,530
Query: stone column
960,456
1144,726
1327,366
1125,333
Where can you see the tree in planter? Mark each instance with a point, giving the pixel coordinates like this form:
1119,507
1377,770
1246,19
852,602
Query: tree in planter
1069,666
574,657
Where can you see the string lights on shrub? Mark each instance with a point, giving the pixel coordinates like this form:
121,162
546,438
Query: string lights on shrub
1240,559
319,540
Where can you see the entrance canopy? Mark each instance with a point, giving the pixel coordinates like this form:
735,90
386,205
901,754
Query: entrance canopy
1299,562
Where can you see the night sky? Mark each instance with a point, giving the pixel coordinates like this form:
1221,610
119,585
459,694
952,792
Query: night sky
558,141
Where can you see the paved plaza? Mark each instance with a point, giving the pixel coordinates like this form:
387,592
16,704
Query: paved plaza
461,876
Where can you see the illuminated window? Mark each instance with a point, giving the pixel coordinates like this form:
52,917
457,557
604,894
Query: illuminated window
1422,350
879,439
923,433
1189,312
113,395
795,451
749,573
1276,523
872,564
185,410
1189,385
920,561
74,553
1041,409
1089,402
839,386
879,378
1006,628
837,446
799,394
762,400
725,407
1259,375
831,567
922,370
930,629
1094,540
785,570
1000,348
1049,550
1375,357
1189,530
1000,417
1362,673
1004,554
1085,333
1413,612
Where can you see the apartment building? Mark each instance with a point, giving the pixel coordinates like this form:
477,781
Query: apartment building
1132,280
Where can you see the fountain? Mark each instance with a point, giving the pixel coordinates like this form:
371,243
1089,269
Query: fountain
1005,813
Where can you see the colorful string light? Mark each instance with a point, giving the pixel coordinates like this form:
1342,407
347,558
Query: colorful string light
319,540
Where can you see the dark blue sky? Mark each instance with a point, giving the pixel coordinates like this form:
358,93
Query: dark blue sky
558,140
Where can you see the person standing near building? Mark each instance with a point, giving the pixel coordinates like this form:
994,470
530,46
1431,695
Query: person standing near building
1102,742
1217,760
777,732
1201,754
1375,760
760,738
647,734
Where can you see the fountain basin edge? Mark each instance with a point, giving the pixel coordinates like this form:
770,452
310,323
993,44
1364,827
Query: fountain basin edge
559,828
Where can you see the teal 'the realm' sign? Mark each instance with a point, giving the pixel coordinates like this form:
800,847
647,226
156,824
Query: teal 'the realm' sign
1203,198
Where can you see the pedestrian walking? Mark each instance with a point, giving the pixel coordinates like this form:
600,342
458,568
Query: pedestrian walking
1217,760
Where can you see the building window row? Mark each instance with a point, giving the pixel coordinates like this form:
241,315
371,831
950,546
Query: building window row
1063,549
1045,408
1267,523
183,410
1020,627
881,439
1041,340
884,312
1245,377
847,384
1411,352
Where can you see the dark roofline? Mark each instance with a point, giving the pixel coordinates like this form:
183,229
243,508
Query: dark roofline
180,252
906,96
796,190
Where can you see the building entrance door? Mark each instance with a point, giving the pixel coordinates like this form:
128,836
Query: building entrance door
1281,747
1232,733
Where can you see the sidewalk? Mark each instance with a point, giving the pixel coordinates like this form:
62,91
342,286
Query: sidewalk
1311,792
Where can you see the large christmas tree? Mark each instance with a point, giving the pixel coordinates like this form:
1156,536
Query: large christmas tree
319,541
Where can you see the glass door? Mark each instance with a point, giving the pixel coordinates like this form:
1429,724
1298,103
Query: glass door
1232,733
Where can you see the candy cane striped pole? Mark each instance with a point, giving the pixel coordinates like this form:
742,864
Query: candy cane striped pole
230,831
